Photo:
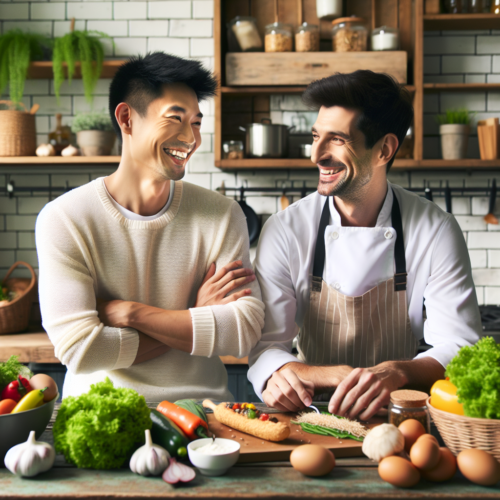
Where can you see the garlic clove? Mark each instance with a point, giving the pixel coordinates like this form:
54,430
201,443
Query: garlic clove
70,151
383,441
45,150
150,459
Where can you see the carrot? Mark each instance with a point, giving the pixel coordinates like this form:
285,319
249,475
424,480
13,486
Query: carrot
6,406
192,425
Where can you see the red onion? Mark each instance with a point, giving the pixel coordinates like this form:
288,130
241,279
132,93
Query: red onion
176,472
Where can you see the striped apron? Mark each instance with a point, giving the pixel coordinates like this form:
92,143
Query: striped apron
358,331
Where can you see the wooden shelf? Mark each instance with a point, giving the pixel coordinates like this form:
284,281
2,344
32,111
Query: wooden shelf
59,160
278,90
461,87
43,69
435,22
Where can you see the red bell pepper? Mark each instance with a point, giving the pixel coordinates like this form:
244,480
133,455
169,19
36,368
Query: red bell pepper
17,389
192,425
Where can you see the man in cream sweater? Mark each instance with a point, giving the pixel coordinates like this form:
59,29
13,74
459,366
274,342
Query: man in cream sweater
144,278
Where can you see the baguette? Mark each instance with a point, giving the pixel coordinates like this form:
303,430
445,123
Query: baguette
270,431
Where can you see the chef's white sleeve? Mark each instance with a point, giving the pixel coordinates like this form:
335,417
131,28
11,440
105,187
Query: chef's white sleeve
453,317
272,268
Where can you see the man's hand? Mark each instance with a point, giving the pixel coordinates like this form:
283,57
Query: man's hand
285,391
114,313
217,285
365,390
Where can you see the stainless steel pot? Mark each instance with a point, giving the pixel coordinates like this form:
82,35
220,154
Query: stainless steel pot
266,140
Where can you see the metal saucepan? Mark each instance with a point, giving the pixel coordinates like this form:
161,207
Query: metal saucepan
266,140
305,150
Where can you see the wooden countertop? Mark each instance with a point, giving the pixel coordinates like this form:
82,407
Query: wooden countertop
35,346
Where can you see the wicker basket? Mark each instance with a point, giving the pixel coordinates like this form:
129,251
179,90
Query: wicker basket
462,433
17,132
15,316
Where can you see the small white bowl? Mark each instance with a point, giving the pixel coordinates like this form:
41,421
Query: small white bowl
213,465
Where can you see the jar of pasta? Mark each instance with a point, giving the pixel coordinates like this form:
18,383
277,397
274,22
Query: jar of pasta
307,38
349,34
406,404
278,38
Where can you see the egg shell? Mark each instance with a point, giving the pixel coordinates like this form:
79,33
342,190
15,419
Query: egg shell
445,468
312,460
41,381
430,437
411,429
424,454
398,472
479,467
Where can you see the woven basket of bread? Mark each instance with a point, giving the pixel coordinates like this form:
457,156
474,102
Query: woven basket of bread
463,433
17,130
15,315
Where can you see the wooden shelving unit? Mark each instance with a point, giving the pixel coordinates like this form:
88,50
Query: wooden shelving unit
461,87
60,160
446,22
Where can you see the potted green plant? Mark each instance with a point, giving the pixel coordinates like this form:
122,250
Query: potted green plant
94,133
454,129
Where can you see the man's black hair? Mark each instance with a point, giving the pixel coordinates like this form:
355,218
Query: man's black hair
141,80
385,106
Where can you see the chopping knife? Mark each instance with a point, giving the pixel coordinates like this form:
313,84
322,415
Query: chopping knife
490,216
253,221
447,198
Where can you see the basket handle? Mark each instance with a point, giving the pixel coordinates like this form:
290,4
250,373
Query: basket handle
19,104
25,264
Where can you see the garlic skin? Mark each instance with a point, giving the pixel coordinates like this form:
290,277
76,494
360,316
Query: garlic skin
70,151
383,441
150,459
45,150
30,458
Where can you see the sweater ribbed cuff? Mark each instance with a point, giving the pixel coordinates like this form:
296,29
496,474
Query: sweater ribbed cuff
129,345
203,331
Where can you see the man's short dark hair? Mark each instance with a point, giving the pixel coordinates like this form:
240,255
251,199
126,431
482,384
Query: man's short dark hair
384,104
141,80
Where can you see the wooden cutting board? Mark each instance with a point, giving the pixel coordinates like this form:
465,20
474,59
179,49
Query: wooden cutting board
254,449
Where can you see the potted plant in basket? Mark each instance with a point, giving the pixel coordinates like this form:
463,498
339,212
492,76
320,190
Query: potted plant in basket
94,133
454,129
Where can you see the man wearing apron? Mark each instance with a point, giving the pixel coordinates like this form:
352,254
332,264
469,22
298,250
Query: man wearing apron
349,269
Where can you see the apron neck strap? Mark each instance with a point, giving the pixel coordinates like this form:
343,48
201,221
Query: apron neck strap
399,249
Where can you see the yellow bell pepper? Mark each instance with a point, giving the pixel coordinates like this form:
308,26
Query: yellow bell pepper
29,401
444,397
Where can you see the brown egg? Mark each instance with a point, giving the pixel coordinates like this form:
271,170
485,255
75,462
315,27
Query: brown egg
42,381
479,467
445,468
411,429
424,454
398,472
312,460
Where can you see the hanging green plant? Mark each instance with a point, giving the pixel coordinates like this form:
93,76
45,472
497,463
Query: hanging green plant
17,50
82,46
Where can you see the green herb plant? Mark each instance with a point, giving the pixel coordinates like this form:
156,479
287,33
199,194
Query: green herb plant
455,117
11,369
102,428
17,50
83,46
92,121
475,371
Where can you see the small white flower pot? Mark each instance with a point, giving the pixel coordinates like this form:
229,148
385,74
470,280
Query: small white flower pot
454,138
95,142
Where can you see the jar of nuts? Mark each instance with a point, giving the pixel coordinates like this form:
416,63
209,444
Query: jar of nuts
406,404
307,38
232,150
349,34
278,38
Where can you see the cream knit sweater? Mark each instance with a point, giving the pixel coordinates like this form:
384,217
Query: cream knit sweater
87,249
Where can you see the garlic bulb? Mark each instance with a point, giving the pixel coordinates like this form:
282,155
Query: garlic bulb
70,151
383,441
30,458
150,459
45,150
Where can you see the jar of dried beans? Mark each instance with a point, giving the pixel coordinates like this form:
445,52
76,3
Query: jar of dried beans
307,38
278,38
406,404
349,35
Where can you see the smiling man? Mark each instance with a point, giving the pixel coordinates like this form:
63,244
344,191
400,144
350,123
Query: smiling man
144,278
350,267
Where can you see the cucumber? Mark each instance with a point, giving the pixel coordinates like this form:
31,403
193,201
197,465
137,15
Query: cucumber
165,433
193,407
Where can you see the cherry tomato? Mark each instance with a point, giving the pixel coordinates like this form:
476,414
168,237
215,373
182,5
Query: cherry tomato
264,416
236,406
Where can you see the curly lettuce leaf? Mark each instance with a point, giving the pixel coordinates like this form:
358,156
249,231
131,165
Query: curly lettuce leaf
102,428
475,371
11,369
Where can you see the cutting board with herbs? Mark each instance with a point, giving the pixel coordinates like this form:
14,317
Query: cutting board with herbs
254,449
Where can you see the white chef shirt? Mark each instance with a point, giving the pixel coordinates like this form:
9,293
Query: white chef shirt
357,259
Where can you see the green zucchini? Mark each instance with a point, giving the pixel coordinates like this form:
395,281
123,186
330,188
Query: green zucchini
167,434
193,407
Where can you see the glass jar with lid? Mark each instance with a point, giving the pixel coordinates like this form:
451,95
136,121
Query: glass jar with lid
406,404
349,34
232,150
243,35
307,38
385,38
279,38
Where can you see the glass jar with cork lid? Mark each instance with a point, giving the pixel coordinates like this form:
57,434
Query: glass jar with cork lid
406,404
349,34
278,38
